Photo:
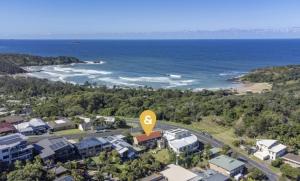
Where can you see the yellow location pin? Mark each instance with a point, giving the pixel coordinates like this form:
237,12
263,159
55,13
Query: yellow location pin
148,121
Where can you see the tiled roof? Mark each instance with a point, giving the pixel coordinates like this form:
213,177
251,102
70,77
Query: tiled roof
12,119
144,137
6,127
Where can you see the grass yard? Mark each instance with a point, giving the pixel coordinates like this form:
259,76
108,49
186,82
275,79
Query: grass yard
68,132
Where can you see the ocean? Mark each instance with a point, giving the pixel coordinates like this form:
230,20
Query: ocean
182,64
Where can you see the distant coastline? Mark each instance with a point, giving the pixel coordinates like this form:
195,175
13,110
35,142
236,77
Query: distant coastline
185,65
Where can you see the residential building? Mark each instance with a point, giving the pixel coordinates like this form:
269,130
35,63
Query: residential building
34,126
86,124
65,178
125,150
14,147
176,173
7,128
181,141
107,122
107,119
269,149
55,149
292,159
92,146
147,141
210,175
61,124
59,171
154,177
226,165
13,119
214,152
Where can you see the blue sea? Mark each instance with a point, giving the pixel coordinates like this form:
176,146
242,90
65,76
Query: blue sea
182,64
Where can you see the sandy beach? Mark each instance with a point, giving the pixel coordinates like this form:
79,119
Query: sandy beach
247,87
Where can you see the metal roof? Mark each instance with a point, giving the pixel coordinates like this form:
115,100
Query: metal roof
226,162
11,140
90,142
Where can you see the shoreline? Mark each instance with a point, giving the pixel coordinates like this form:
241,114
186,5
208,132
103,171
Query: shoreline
241,87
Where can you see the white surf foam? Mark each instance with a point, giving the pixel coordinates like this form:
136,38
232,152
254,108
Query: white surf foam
95,62
175,76
114,81
232,73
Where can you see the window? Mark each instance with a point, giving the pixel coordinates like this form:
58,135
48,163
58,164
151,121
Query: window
4,151
5,157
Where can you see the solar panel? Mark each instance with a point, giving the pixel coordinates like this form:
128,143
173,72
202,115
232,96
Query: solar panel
10,139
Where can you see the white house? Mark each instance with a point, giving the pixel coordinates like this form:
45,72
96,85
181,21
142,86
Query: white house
181,141
34,126
269,149
86,124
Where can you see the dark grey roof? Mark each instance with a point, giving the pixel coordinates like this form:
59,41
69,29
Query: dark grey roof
47,147
217,177
11,139
90,142
65,178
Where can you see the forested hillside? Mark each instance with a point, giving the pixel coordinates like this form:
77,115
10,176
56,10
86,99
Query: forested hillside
274,114
31,60
10,68
12,63
274,74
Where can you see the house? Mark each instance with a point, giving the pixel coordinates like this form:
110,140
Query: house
147,141
65,178
61,124
108,119
176,173
154,177
34,126
226,165
14,147
59,171
108,122
210,175
86,124
92,146
214,152
57,149
125,150
13,119
269,149
181,141
292,159
6,128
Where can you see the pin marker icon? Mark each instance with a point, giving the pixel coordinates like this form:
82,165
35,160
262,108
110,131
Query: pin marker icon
148,121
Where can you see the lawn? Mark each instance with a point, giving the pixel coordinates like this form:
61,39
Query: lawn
68,132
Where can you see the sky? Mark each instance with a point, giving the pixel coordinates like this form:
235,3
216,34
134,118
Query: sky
117,18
